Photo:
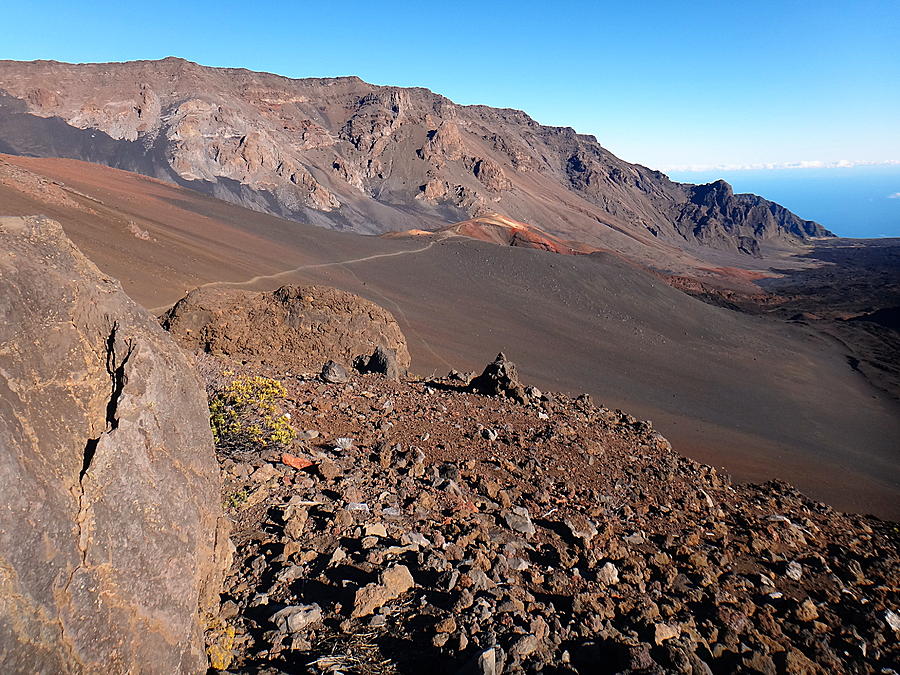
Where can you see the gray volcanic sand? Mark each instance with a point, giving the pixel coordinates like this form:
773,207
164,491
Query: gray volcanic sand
761,397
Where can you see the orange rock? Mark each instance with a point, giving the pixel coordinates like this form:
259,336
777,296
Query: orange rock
296,462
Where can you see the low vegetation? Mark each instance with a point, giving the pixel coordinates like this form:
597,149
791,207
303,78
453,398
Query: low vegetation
247,415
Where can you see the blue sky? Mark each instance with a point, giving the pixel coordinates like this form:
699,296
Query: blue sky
666,84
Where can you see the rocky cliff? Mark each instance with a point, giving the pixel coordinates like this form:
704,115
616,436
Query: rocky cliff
111,538
349,155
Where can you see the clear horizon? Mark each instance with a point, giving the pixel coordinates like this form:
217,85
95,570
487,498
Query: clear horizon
713,86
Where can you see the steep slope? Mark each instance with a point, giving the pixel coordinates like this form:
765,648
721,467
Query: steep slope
461,533
349,155
726,388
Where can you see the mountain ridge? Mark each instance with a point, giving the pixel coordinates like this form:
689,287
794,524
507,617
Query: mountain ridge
346,154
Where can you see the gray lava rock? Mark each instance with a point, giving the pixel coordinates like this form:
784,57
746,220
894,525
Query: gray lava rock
500,378
111,536
334,373
297,618
519,520
383,361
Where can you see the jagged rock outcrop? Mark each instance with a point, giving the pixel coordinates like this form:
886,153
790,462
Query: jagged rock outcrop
111,537
295,327
715,215
499,378
349,155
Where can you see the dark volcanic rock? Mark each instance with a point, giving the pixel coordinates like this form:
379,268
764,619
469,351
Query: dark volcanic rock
714,215
110,534
381,362
334,373
293,327
500,378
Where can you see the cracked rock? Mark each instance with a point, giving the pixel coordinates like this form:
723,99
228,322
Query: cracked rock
116,449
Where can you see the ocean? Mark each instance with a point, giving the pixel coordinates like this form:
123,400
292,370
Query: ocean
861,201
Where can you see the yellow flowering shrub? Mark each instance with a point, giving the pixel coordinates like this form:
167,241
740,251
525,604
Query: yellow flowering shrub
247,413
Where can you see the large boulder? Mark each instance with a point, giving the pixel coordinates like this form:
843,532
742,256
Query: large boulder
294,327
112,543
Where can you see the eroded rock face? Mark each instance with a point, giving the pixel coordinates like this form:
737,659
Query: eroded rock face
111,537
345,154
295,327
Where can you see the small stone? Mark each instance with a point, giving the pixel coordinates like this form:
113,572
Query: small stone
375,530
525,646
486,663
334,373
608,574
489,434
416,539
518,564
447,625
295,462
796,663
639,658
664,631
338,555
393,583
582,529
807,611
500,378
328,469
794,570
343,519
295,618
296,524
519,520
892,619
265,473
308,435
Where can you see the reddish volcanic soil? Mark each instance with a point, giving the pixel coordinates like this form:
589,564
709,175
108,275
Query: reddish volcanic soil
498,229
760,396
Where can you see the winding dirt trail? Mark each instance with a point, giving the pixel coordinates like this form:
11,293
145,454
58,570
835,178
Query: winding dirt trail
300,268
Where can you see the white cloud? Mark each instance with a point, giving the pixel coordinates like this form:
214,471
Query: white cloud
801,164
896,195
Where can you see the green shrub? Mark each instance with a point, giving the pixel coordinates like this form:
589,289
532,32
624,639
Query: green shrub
246,414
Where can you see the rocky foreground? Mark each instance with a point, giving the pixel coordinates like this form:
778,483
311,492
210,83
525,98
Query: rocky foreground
417,525
380,523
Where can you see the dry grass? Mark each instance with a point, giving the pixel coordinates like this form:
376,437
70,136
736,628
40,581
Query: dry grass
355,653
